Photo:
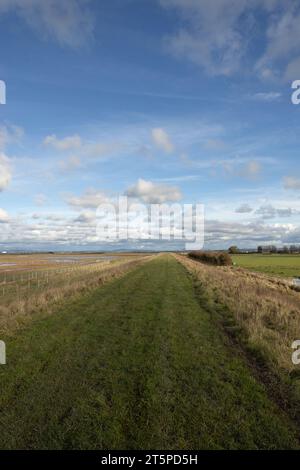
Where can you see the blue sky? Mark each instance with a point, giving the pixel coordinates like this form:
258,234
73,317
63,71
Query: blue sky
166,100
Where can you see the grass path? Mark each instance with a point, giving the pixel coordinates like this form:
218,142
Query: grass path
137,364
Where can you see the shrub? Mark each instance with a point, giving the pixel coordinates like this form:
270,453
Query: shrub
212,257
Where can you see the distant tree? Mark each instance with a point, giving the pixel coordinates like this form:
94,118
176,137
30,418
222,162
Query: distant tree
233,250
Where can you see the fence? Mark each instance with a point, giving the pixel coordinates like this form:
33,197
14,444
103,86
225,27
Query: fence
17,285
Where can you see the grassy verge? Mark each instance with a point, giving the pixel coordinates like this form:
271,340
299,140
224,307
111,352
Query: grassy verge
15,312
262,317
138,363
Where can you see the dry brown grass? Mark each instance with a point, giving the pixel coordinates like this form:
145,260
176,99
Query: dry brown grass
267,309
15,313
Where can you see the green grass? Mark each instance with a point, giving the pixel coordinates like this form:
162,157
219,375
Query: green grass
279,265
138,364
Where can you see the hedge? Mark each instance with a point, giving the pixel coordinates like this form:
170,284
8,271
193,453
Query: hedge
212,257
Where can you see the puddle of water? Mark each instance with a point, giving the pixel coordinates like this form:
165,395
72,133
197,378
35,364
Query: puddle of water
64,260
296,281
77,259
8,264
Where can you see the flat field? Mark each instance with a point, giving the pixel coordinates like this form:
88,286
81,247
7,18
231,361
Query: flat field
34,281
18,263
279,265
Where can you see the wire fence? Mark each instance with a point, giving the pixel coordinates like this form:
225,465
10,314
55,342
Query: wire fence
17,285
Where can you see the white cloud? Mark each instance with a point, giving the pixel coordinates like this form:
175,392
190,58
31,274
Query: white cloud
4,218
69,22
268,211
268,96
243,209
241,167
91,199
10,134
217,35
71,163
283,36
86,217
50,217
152,193
222,234
162,140
55,218
211,36
60,230
291,182
5,171
100,149
68,143
214,144
292,70
251,169
3,137
74,143
288,212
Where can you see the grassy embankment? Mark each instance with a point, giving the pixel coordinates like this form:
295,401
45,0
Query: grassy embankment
138,363
263,315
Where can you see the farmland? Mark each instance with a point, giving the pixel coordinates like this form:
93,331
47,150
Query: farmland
144,361
278,265
29,283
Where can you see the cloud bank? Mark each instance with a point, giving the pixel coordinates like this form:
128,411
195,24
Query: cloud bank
68,22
